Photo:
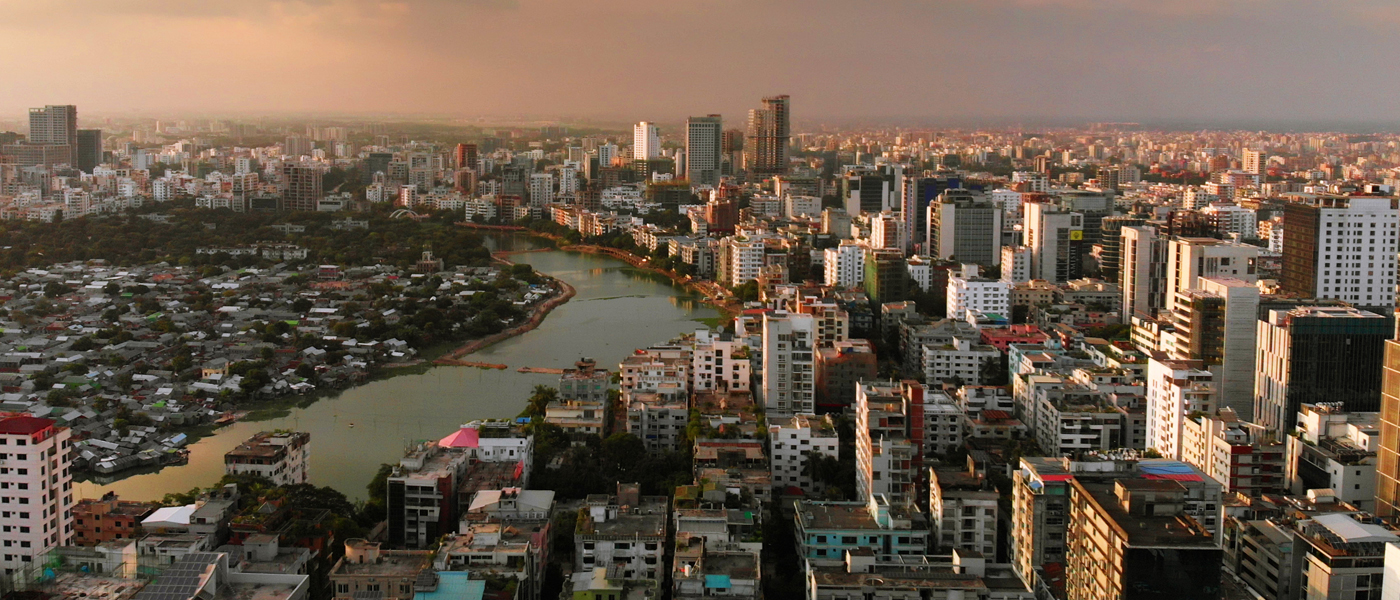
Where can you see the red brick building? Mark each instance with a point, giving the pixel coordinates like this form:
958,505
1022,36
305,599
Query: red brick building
107,519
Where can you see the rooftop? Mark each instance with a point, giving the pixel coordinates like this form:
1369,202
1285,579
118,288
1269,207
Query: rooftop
1176,531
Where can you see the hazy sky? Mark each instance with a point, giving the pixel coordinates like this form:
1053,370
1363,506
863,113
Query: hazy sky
1197,60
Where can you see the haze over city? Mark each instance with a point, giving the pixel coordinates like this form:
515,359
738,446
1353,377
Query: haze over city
1190,62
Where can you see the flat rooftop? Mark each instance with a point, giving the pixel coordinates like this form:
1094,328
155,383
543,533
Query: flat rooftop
1142,530
392,563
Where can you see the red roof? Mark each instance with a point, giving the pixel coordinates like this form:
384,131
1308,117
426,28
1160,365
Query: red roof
466,437
25,425
996,415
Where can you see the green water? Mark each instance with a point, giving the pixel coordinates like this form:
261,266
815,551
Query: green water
617,309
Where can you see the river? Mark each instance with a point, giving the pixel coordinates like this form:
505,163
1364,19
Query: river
617,309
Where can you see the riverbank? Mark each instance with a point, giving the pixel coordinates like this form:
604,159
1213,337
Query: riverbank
537,315
709,290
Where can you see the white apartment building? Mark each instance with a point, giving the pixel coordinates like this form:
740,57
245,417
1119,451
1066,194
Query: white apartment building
1334,449
887,231
1053,236
541,190
793,440
646,142
1231,218
282,457
1196,198
1015,264
844,265
719,363
1175,389
744,259
1355,248
1189,259
788,364
1010,203
968,292
801,206
657,418
961,360
964,515
36,491
1226,309
944,422
920,271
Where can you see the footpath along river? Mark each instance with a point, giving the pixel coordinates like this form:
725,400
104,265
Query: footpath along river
617,309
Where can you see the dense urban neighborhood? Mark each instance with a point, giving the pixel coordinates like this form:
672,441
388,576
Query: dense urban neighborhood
1108,361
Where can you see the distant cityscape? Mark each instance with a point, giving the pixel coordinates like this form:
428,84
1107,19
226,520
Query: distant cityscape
1107,361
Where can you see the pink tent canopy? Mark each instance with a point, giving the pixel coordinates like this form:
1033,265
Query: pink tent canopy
465,437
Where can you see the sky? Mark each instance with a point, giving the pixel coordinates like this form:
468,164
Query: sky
942,60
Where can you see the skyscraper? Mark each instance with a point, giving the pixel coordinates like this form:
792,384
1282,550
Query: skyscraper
1254,162
703,145
646,144
1313,354
1143,275
301,187
466,156
964,226
1215,323
1111,259
766,142
1342,247
89,149
1388,452
54,125
1054,236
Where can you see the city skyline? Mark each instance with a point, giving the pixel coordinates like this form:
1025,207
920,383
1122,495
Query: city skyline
1005,60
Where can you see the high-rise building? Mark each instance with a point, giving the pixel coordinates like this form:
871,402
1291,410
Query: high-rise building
1135,534
887,231
297,145
964,226
873,189
1255,162
844,265
646,142
886,276
55,125
37,483
1342,247
1176,389
301,187
465,157
1111,239
89,149
1054,237
703,149
1097,529
766,142
1388,451
1143,276
1190,258
1215,323
732,148
788,377
1318,354
919,192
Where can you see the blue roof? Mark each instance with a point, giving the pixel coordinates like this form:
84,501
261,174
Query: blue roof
455,585
717,582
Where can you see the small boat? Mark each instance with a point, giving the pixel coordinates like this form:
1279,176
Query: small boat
352,425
